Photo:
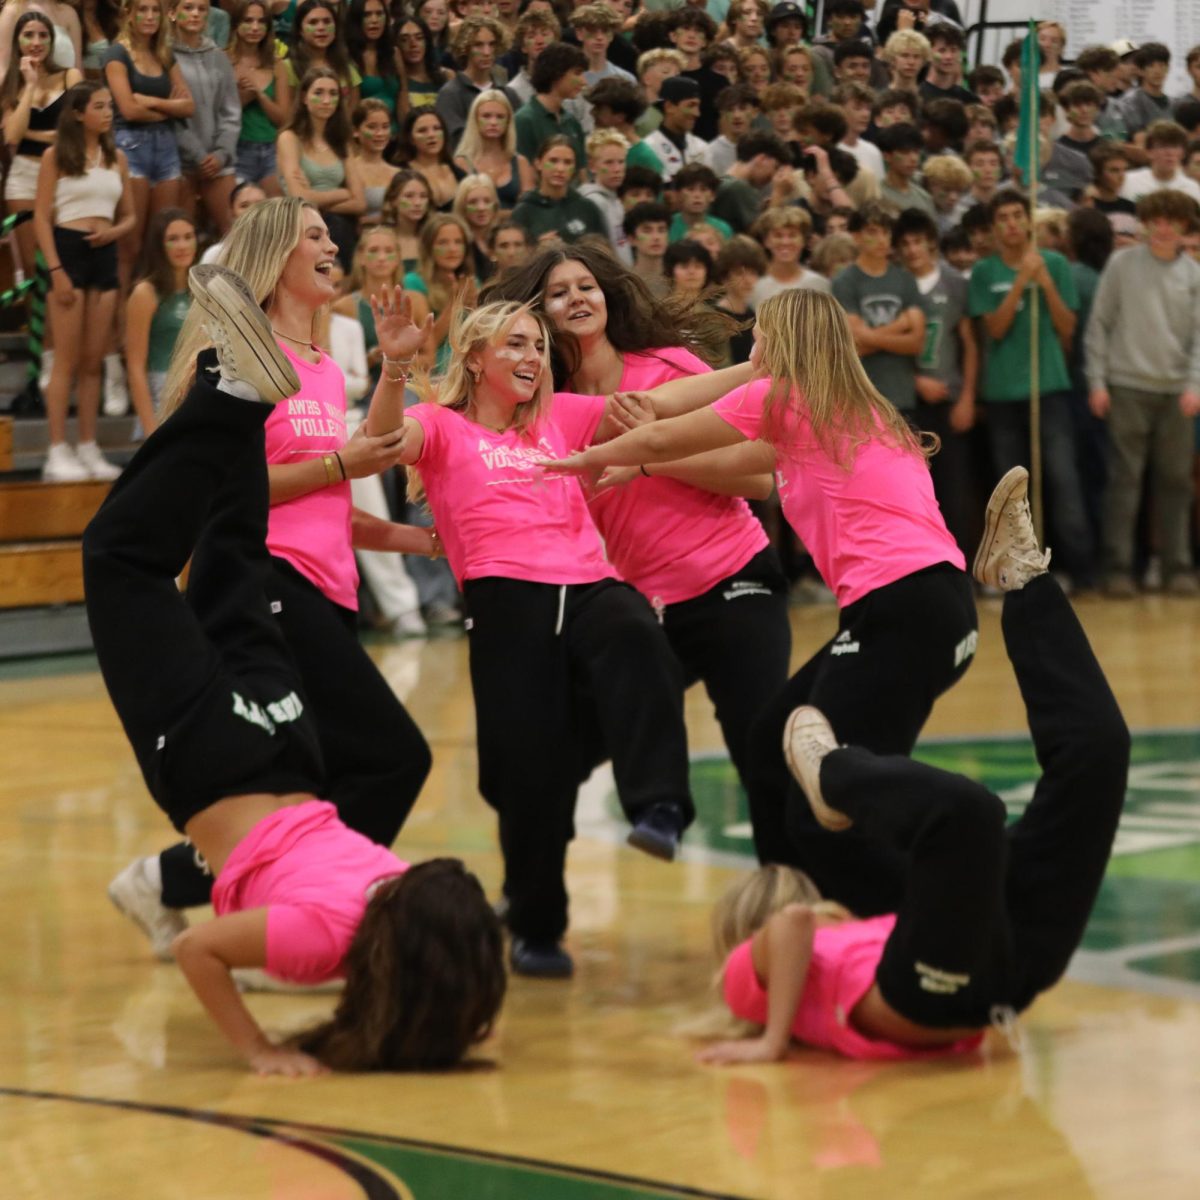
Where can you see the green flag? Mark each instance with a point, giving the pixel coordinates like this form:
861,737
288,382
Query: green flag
1025,154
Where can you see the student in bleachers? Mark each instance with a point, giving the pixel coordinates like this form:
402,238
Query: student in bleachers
488,146
66,43
554,208
317,42
423,146
444,280
372,133
422,66
314,157
208,139
370,42
262,89
476,206
157,307
511,246
407,205
476,43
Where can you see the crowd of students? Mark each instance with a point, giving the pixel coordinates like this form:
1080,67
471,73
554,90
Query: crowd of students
725,153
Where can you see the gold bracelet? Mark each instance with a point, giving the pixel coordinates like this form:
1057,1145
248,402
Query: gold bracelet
331,471
438,550
403,363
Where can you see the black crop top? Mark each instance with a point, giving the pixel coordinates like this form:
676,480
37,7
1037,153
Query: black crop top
41,120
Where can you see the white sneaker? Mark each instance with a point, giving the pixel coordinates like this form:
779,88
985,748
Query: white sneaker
409,625
245,342
807,738
61,466
116,386
96,465
47,368
137,892
1008,556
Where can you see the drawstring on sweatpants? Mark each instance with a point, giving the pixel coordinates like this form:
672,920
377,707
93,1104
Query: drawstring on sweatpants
659,608
1004,1020
562,608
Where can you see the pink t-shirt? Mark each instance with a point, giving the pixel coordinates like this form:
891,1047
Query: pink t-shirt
498,513
670,540
842,971
864,527
312,532
312,875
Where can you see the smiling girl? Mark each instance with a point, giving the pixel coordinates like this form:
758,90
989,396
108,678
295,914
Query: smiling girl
66,42
262,89
548,615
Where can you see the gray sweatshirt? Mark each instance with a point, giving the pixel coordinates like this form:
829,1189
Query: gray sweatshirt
1144,331
216,125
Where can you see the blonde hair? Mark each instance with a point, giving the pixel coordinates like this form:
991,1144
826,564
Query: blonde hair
809,354
468,184
357,278
833,252
782,218
160,44
657,55
739,913
471,330
907,39
427,268
948,170
1051,221
606,137
257,248
470,145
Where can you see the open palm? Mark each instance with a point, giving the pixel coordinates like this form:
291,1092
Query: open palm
398,335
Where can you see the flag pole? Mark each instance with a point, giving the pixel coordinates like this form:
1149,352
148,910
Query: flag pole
1033,98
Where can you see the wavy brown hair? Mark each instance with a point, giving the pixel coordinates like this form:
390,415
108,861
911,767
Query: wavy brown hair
638,322
424,976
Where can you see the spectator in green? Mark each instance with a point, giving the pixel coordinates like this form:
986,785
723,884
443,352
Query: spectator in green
739,199
557,77
695,190
554,209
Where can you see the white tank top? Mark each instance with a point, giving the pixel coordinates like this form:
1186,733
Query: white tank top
95,193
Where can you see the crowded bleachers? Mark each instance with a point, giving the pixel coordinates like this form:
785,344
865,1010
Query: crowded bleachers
723,152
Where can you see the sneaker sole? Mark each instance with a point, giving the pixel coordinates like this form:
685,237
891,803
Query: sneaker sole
1014,478
827,818
115,896
223,294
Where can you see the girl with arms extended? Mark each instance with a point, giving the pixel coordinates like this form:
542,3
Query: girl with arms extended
549,619
684,538
218,718
375,757
990,916
855,487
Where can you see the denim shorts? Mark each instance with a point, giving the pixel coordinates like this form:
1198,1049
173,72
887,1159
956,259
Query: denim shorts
152,151
255,161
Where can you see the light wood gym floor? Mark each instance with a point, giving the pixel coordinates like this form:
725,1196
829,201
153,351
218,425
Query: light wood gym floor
113,1084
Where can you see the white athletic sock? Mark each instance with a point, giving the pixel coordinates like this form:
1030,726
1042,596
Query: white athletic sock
239,388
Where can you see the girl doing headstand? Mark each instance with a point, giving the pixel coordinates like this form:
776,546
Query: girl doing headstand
990,916
215,711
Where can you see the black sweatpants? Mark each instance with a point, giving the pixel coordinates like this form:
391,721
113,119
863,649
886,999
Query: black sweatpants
535,650
210,712
896,650
992,916
736,638
376,759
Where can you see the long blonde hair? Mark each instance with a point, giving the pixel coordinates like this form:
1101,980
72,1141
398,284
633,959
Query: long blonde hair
470,145
740,912
809,354
468,184
257,248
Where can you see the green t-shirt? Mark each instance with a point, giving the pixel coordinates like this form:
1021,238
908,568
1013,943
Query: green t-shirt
642,156
1006,367
737,203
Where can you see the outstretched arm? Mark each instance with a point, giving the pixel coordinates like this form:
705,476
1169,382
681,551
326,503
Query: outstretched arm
205,954
678,396
658,442
781,952
746,470
368,532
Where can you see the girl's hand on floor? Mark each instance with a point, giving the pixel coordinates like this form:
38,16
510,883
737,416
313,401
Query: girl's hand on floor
279,1060
748,1050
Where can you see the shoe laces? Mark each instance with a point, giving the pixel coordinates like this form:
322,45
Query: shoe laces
1023,547
222,344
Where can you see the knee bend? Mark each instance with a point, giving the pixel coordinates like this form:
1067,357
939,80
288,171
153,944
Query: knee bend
975,815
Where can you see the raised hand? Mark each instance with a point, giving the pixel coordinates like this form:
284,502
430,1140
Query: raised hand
398,335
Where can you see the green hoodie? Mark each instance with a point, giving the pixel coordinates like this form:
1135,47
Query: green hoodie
571,217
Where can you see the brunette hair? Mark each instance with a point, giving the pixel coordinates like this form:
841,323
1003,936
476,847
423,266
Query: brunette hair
336,54
424,976
10,89
356,41
427,267
389,214
638,322
406,151
337,128
155,266
432,62
70,156
266,48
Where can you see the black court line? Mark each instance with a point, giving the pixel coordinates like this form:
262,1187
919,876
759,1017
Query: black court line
373,1187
